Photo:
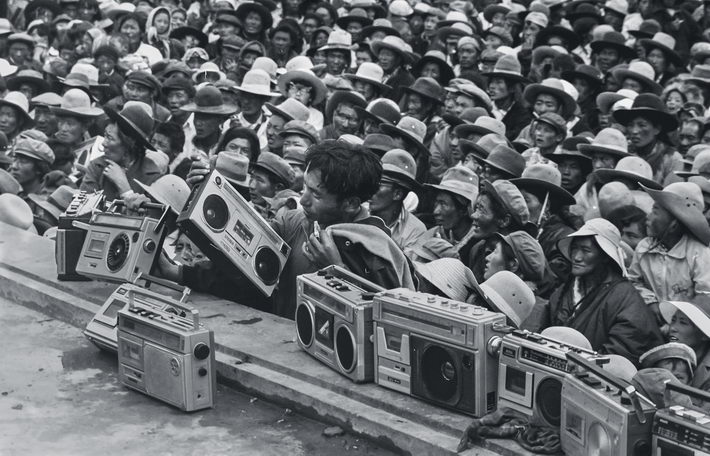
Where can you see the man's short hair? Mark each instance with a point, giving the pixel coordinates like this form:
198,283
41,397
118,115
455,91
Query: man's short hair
347,170
175,135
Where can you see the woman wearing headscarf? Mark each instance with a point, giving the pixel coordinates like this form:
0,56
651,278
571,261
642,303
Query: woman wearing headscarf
597,299
158,33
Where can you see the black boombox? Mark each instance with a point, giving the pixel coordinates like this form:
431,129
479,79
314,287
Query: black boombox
120,247
167,354
334,320
437,349
70,239
680,431
231,233
602,414
530,374
102,330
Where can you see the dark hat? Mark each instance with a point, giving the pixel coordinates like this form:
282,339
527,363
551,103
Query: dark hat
177,67
176,82
247,7
570,38
27,77
499,32
108,51
438,57
507,67
381,110
273,163
34,148
34,5
528,253
648,106
483,147
145,79
181,32
229,17
358,15
378,25
343,96
135,121
568,150
614,40
289,109
379,143
467,116
589,73
208,100
582,10
647,29
547,179
428,88
505,159
492,10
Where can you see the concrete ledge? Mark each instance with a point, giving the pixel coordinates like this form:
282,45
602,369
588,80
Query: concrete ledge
257,352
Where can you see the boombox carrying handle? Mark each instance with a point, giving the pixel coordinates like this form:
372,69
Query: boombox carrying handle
165,283
189,311
684,389
614,381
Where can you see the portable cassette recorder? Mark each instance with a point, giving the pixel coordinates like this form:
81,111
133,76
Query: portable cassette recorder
437,349
166,355
231,233
334,320
70,239
679,430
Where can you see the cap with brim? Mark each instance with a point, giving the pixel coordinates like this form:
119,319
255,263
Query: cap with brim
46,99
527,252
610,248
181,32
608,175
558,195
390,129
129,128
307,77
685,211
620,74
699,316
671,350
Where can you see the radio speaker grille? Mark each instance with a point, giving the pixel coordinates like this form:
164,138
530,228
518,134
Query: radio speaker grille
164,374
118,252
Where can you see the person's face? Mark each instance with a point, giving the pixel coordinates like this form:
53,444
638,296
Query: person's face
161,22
632,84
450,102
572,175
354,28
585,255
325,16
44,14
641,132
319,58
607,58
23,169
484,222
321,40
468,56
9,122
688,136
175,99
493,42
545,136
365,89
309,26
370,126
530,31
677,367
463,102
546,103
178,19
603,161
20,53
260,186
454,141
498,19
658,221
319,205
225,29
335,61
273,128
206,125
430,24
252,23
416,23
534,205
28,90
498,89
114,149
632,234
388,60
495,261
70,130
657,59
161,142
248,58
583,88
282,42
251,104
674,102
385,197
105,64
87,13
362,56
431,70
415,106
188,253
295,143
446,213
132,30
45,121
239,146
133,91
684,331
491,174
345,120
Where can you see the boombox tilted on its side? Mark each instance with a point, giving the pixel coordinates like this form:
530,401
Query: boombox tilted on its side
232,234
437,349
67,248
334,320
167,355
681,431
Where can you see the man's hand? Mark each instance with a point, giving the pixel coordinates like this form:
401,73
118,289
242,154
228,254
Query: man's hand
198,170
322,252
117,175
134,201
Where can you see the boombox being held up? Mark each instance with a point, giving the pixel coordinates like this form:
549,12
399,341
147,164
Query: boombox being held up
437,349
167,354
70,239
603,414
103,327
682,431
334,320
530,374
232,234
121,247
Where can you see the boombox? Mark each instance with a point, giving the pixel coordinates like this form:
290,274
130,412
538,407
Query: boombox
231,233
102,329
69,239
437,349
530,374
167,355
120,247
334,320
602,414
680,431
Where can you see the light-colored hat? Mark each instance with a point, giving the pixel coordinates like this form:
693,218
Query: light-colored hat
666,44
459,180
537,18
568,336
410,128
507,293
482,148
256,82
612,195
608,141
338,39
76,103
434,247
508,196
671,350
206,69
400,8
507,67
19,101
640,71
169,190
618,6
450,276
15,211
483,125
6,69
304,75
634,169
700,163
33,148
399,166
620,367
234,167
209,100
697,312
394,44
8,184
370,73
300,128
289,109
605,234
554,87
548,179
684,200
47,99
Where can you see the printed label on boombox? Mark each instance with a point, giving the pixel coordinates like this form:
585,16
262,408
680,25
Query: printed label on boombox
67,247
531,370
230,232
437,349
167,356
334,320
680,430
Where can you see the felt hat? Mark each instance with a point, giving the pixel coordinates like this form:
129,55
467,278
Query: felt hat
378,143
370,73
409,128
378,25
505,159
666,44
671,350
209,100
634,169
507,67
481,149
32,7
256,82
91,72
648,106
338,40
16,212
554,87
647,29
483,125
459,180
76,103
570,38
290,109
234,167
400,8
245,8
450,276
545,178
433,248
620,7
555,121
57,202
33,148
527,252
474,92
608,101
6,69
437,57
589,73
700,164
605,234
381,110
700,75
467,116
542,52
608,141
568,336
47,99
507,293
491,10
300,128
8,184
180,33
426,87
394,44
305,76
21,37
135,121
684,200
343,96
19,101
616,41
358,15
169,190
697,311
639,71
581,9
276,165
500,33
228,16
399,166
508,196
27,77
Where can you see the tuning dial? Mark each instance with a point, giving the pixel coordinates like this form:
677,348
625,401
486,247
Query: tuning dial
202,372
149,246
202,351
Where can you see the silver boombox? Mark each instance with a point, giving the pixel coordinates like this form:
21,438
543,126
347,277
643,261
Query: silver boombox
67,247
602,414
437,349
530,374
166,355
680,431
102,329
334,320
120,247
230,232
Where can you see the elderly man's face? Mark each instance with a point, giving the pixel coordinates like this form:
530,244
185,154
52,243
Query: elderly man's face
689,136
70,130
345,120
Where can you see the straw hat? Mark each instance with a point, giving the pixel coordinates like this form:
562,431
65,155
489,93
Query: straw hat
209,100
507,293
459,180
57,202
256,82
169,190
505,159
234,167
642,72
15,211
554,87
409,128
605,234
697,311
545,178
394,44
399,166
608,141
370,73
684,200
633,169
76,103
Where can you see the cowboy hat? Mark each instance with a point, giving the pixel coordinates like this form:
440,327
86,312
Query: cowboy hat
245,8
358,15
409,128
370,73
257,82
666,44
570,38
76,103
57,202
507,67
505,159
608,141
428,88
482,148
616,41
289,109
27,77
641,72
394,44
634,169
380,110
208,100
648,106
684,200
459,180
548,179
19,101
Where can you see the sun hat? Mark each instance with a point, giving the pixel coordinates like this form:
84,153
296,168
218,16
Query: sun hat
209,100
684,200
256,82
671,350
483,125
15,211
21,37
616,41
666,44
276,165
508,196
545,178
568,336
76,103
426,87
507,67
169,190
481,148
370,73
394,44
8,184
450,276
135,121
437,57
180,33
381,110
605,234
411,129
33,148
91,72
608,141
634,169
697,311
245,8
234,167
607,100
338,40
343,96
554,87
528,253
358,15
640,71
507,293
27,77
19,101
300,128
289,109
57,202
505,159
459,180
379,143
433,248
400,167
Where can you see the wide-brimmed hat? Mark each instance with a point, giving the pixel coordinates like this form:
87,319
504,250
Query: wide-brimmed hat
507,67
459,180
8,184
634,169
545,178
394,44
257,82
605,234
34,5
378,25
343,96
542,52
57,202
438,57
6,69
307,77
16,212
491,10
358,15
76,103
181,32
245,8
483,125
426,87
646,29
450,276
370,73
27,77
135,121
505,159
398,165
209,100
411,129
338,40
608,100
589,73
648,106
234,167
378,143
290,109
666,44
91,72
169,190
571,39
697,312
482,148
381,110
700,163
640,71
620,7
19,101
46,99
505,292
228,16
616,41
684,200
700,75
608,141
474,92
568,150
554,87
508,196
456,29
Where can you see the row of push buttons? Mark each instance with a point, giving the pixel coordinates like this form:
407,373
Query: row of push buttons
333,283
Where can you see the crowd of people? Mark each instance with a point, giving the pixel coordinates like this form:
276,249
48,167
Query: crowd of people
556,152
